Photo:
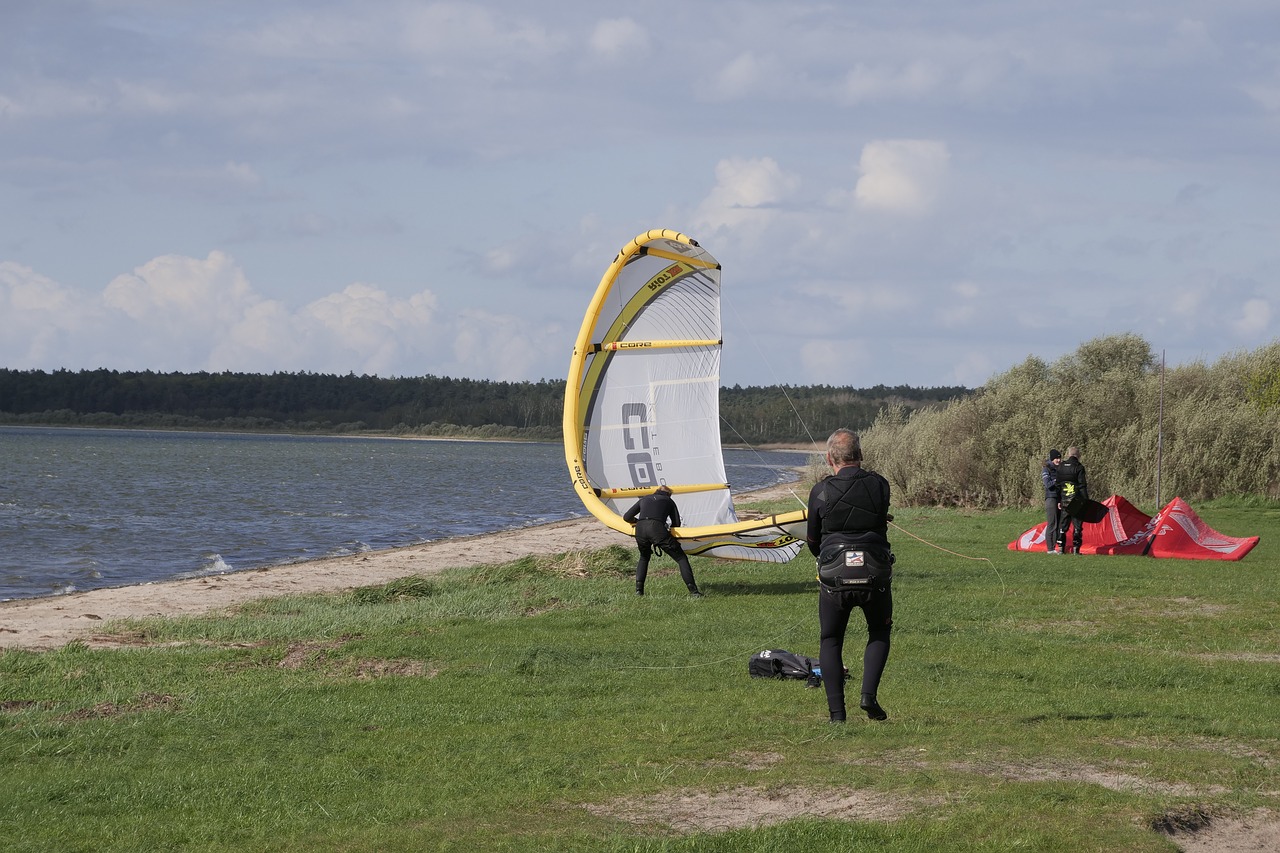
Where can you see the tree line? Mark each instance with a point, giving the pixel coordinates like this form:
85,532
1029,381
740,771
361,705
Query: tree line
1198,431
427,405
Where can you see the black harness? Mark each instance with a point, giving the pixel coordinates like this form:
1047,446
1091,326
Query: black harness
855,516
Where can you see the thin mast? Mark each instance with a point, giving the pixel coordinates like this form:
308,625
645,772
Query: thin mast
1160,434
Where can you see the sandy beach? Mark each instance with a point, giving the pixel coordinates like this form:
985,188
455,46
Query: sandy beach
48,623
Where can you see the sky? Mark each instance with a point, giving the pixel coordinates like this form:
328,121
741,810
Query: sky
900,193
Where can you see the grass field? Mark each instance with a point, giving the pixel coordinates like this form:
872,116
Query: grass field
1036,703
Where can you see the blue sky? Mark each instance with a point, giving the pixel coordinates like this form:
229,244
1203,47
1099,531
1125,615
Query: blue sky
900,193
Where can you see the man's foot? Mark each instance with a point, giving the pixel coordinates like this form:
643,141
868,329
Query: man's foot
693,593
837,716
872,707
639,592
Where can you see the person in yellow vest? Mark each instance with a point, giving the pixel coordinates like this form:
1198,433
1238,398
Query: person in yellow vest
1073,497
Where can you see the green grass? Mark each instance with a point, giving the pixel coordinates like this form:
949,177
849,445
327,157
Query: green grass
1035,703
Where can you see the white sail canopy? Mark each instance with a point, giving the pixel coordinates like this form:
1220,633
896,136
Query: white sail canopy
642,401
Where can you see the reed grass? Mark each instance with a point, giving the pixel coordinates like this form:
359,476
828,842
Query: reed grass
1036,703
1199,431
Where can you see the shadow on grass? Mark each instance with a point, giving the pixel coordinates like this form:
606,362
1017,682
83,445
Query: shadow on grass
779,588
1079,718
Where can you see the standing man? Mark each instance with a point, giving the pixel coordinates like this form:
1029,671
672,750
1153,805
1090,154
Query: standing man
650,516
848,528
1073,496
1049,476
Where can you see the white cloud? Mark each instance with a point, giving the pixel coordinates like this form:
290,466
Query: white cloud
187,314
745,197
839,361
24,291
877,83
616,38
742,77
474,34
40,320
501,346
176,313
960,310
148,98
901,175
1265,93
174,289
971,368
242,173
1255,318
364,319
858,300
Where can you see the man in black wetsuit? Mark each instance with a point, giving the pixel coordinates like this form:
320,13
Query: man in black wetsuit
848,528
650,517
1073,496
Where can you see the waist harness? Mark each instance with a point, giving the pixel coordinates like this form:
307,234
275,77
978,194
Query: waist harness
859,567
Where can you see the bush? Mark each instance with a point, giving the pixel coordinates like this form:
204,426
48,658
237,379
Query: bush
1210,431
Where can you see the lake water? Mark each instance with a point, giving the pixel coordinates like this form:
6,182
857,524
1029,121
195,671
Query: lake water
88,508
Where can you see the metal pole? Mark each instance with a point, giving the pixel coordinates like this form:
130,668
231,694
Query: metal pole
1160,435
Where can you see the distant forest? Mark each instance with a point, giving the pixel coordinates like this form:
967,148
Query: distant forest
426,406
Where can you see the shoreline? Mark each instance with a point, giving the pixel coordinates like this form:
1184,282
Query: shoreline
53,621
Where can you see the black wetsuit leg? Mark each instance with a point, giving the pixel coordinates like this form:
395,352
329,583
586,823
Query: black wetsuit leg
879,613
834,608
673,550
642,565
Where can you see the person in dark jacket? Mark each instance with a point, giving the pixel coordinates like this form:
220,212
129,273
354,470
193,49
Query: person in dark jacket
650,516
847,531
1052,519
1073,496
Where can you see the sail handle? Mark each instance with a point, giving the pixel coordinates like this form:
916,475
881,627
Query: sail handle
623,346
641,491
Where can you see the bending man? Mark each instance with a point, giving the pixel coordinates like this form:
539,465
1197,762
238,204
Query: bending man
848,532
650,516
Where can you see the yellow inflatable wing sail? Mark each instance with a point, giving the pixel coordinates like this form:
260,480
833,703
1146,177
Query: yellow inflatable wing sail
642,404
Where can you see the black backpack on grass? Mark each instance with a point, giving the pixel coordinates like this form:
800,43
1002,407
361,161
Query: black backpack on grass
779,663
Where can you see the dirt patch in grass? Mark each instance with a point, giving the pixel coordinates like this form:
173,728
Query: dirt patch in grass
310,656
306,655
1124,779
1265,755
144,702
1197,831
1247,657
743,807
546,606
367,669
748,760
1068,627
13,706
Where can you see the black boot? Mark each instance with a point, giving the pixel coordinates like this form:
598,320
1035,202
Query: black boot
872,707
